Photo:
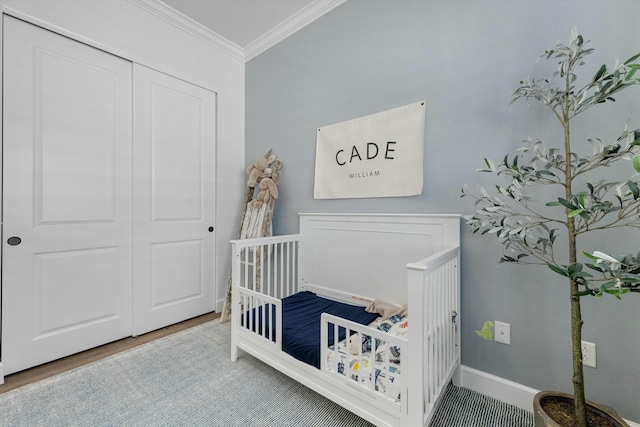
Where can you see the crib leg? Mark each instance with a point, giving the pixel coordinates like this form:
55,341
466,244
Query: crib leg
234,349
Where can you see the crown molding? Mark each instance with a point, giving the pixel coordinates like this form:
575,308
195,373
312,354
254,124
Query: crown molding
188,25
301,19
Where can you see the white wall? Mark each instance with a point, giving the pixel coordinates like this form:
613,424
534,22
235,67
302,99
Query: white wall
125,29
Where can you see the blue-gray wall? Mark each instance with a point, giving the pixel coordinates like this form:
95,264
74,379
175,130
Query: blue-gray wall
465,58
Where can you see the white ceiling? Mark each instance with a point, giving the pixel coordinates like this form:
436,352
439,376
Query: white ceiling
242,22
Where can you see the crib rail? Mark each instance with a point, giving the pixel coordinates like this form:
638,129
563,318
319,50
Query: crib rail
260,315
375,370
426,364
434,285
264,270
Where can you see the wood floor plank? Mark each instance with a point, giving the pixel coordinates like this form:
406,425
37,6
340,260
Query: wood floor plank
56,367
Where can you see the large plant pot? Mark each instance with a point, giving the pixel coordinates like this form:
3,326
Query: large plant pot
546,401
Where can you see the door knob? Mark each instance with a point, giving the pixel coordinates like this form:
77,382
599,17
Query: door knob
13,241
210,229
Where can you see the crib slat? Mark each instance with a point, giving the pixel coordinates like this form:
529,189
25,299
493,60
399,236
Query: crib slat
253,263
244,314
386,365
267,269
250,312
274,269
294,270
324,358
281,268
261,268
336,331
285,267
264,307
289,262
245,257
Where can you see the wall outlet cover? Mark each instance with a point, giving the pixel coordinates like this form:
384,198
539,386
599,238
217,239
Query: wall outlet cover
503,332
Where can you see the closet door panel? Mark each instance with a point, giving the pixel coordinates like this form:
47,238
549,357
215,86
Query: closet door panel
174,171
67,196
176,262
176,150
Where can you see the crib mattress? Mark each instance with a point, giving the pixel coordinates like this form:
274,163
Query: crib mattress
301,323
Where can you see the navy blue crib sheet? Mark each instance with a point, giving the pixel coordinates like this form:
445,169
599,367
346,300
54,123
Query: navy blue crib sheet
301,323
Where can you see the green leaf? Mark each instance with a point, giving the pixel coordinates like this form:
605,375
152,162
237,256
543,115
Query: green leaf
588,255
566,204
593,267
599,74
581,199
584,293
633,58
617,292
575,212
575,271
636,163
576,266
577,274
558,270
489,164
545,172
634,189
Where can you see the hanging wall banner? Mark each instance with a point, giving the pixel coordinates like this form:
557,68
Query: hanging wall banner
373,156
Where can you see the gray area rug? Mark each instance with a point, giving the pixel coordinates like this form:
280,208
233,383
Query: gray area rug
188,379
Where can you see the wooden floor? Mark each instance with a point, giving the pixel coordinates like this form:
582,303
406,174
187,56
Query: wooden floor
47,370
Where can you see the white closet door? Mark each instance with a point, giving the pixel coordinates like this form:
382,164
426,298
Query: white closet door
174,179
66,197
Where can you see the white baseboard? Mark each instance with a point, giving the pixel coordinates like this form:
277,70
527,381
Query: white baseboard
502,389
499,388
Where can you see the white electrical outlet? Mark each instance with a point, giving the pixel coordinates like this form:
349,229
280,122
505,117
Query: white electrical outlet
503,332
588,354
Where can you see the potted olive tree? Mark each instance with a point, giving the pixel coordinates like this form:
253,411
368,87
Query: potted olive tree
580,199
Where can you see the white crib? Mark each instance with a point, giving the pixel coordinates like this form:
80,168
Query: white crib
402,258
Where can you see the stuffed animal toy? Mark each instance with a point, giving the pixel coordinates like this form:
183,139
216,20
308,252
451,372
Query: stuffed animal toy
383,308
268,191
260,167
275,174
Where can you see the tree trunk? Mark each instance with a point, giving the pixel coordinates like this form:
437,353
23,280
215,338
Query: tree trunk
576,347
576,314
